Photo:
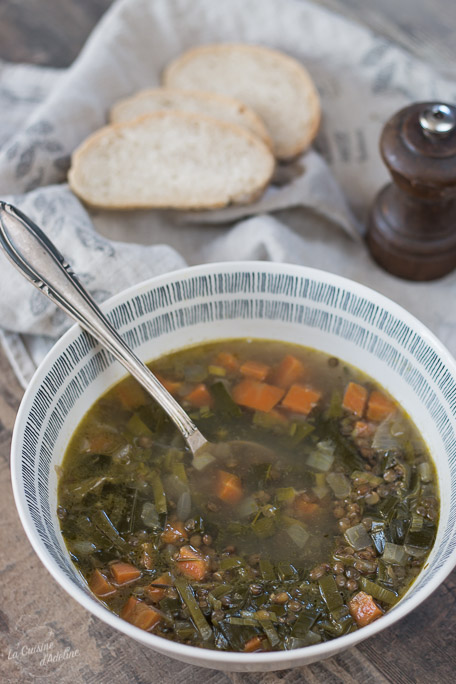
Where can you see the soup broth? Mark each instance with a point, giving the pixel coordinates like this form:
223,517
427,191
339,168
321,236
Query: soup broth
315,538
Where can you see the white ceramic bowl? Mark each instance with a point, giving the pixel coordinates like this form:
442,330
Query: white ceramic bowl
218,301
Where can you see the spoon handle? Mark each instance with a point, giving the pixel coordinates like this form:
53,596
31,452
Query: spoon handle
37,258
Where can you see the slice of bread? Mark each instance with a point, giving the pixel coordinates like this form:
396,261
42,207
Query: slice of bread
219,106
277,87
170,160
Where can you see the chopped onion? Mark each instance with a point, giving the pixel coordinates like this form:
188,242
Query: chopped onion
398,427
394,553
203,459
247,507
425,471
174,486
322,457
321,491
339,484
184,506
384,439
149,515
84,547
357,537
298,534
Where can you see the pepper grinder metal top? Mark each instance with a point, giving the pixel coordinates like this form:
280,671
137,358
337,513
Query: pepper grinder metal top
412,225
437,119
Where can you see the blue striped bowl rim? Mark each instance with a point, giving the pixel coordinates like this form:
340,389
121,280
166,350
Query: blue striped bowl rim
282,297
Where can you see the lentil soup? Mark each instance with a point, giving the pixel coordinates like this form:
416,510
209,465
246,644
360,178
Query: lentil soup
315,539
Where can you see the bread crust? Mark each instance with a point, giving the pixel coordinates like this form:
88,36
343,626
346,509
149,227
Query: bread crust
289,64
253,122
113,129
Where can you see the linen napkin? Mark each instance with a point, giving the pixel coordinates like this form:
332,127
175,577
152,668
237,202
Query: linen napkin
312,219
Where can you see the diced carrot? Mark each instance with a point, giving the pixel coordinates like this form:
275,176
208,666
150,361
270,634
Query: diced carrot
255,370
100,585
228,487
145,617
173,532
199,396
228,361
172,386
103,442
191,563
156,594
139,614
379,406
124,572
363,609
355,398
131,394
254,644
129,608
301,399
257,395
289,371
305,508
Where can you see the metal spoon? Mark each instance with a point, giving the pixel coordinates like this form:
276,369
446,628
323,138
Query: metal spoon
37,258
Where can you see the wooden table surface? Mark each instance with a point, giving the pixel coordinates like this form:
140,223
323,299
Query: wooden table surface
34,610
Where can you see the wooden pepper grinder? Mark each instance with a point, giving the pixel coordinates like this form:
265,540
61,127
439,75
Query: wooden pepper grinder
412,226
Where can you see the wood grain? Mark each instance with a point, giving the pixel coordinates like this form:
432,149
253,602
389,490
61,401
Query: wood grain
47,32
424,28
418,650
